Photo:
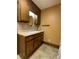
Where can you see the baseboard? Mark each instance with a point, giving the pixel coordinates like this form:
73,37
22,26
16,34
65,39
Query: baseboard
54,45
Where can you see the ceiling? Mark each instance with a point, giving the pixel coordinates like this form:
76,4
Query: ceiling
42,4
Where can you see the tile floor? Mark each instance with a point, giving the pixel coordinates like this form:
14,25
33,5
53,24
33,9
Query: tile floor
44,52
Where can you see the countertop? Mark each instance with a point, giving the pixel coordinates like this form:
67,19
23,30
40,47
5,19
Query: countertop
29,33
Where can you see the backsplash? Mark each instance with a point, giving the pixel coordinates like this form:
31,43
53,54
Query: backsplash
25,27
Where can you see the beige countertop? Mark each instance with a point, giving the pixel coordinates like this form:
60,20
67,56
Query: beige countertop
29,33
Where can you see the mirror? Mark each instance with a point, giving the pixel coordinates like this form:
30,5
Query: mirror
32,18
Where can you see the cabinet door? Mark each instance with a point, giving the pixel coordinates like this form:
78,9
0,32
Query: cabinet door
23,10
22,46
29,48
37,42
18,45
18,11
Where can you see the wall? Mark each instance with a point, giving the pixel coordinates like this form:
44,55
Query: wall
23,27
51,17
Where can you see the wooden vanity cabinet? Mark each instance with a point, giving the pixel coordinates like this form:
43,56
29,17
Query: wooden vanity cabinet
32,43
29,44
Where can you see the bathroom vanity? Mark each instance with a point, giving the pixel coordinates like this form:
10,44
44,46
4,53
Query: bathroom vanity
28,42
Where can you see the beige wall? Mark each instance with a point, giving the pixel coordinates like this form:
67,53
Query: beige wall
51,16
